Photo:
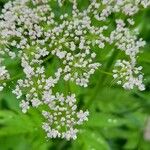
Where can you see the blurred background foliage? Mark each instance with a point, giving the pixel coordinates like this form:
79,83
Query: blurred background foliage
119,119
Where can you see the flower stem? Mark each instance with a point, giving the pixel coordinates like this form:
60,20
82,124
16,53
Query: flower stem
103,77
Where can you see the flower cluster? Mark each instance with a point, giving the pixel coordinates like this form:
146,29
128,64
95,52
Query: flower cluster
126,7
128,75
62,116
32,31
4,75
127,71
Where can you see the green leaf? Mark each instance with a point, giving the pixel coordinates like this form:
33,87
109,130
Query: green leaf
93,140
104,120
14,123
115,100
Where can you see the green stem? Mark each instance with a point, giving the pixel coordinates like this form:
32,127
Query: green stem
108,67
103,77
47,58
107,73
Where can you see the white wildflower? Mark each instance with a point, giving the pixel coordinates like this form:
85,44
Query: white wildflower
31,32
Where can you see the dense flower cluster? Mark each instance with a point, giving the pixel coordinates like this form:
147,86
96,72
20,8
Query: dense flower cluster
127,73
30,30
63,115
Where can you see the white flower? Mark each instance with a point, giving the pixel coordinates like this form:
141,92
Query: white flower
82,116
1,88
129,75
63,117
36,102
24,105
71,134
72,39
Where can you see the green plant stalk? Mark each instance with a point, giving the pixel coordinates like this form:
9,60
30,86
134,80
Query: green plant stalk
103,78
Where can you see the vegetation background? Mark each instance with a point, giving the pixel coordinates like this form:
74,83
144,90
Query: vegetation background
119,119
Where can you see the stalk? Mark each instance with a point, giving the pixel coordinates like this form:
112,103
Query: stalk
103,78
